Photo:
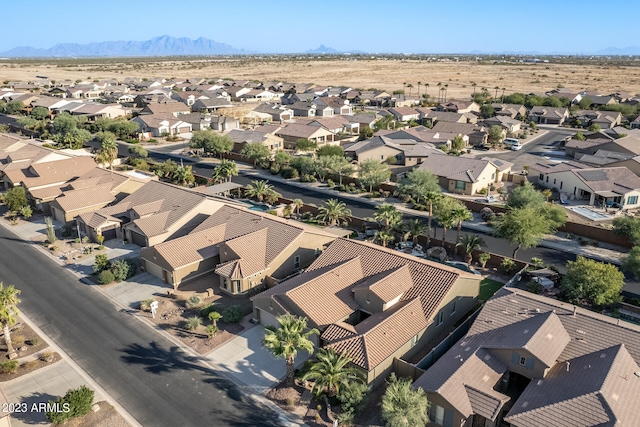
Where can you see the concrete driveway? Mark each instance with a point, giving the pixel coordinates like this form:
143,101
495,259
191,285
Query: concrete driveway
138,288
245,359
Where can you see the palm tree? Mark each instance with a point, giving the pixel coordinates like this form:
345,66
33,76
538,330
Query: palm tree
402,405
384,237
8,313
183,175
415,228
470,243
388,214
446,88
331,372
431,198
502,99
333,212
459,214
285,341
474,84
225,171
258,189
418,87
439,90
297,203
426,88
410,86
497,88
214,316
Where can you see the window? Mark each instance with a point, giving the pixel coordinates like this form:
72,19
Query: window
224,283
414,341
235,284
632,200
460,185
561,185
547,178
440,318
541,177
296,262
554,181
523,360
493,176
453,307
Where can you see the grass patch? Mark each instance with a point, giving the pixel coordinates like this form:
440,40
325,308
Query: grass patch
488,287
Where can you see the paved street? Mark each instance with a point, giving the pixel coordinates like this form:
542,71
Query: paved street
156,382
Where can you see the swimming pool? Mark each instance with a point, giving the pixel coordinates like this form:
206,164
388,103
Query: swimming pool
589,213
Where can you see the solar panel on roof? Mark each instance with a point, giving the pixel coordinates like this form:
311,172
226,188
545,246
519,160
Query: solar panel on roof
597,175
498,162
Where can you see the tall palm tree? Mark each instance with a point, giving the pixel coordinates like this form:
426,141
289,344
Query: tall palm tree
474,84
470,243
439,90
297,203
426,88
8,313
333,212
446,88
388,214
384,237
410,86
286,340
497,88
503,89
460,213
402,405
415,228
332,372
431,198
258,189
418,87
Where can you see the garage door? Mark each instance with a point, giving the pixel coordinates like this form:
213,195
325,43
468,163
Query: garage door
138,239
109,234
153,269
267,318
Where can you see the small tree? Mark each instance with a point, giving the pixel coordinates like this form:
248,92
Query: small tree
138,152
524,227
256,151
306,145
211,142
333,212
483,258
402,405
592,282
628,227
15,198
495,136
75,403
214,316
100,263
470,243
372,173
330,150
8,313
631,263
458,144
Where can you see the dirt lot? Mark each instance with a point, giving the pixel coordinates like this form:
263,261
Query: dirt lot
107,416
361,73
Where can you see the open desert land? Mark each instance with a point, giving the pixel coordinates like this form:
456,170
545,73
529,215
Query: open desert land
386,74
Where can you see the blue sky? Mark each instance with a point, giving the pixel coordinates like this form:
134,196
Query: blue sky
405,26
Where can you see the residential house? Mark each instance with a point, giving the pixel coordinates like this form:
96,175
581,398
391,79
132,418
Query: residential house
95,190
202,121
294,97
459,106
340,106
303,109
423,134
601,100
292,132
241,138
404,114
515,111
236,92
242,250
188,97
364,120
603,157
461,175
157,125
156,212
476,133
377,304
405,152
548,115
571,96
336,125
259,95
42,180
278,113
595,185
173,108
505,122
210,105
503,168
635,123
93,111
529,360
593,141
604,119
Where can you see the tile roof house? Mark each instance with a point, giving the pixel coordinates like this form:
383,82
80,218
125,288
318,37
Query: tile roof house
336,124
376,304
156,212
241,249
404,114
162,123
340,106
459,106
241,137
604,119
515,111
95,190
597,185
548,115
532,361
477,133
406,152
278,113
172,108
505,122
292,132
461,175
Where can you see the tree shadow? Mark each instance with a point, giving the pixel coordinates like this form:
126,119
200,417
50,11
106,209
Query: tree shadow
235,407
30,411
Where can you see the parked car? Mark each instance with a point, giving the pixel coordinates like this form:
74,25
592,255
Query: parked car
481,147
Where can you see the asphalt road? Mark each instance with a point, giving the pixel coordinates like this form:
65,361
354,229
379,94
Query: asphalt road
157,383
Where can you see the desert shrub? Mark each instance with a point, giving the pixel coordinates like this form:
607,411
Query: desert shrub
100,239
105,277
507,265
330,183
46,355
308,178
101,263
121,269
193,323
211,331
274,169
17,340
288,401
289,172
193,301
206,309
34,341
145,305
78,401
9,366
487,214
483,258
534,287
30,364
233,314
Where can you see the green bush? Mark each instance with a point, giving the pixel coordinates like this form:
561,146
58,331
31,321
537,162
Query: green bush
9,366
145,305
232,314
289,172
105,277
193,301
206,309
101,263
330,183
507,265
193,323
120,269
16,198
274,169
308,178
211,331
78,402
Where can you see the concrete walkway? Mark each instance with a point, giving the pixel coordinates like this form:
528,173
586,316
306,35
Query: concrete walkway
245,359
38,387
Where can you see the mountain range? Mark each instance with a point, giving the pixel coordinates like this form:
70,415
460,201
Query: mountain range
157,46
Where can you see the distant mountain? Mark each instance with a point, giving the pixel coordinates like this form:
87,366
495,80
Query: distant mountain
629,50
323,49
158,46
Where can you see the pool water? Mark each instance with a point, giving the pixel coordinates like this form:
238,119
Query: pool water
589,213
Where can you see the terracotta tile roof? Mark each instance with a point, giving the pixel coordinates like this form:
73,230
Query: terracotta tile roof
465,169
249,252
96,220
85,197
41,174
347,265
47,193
